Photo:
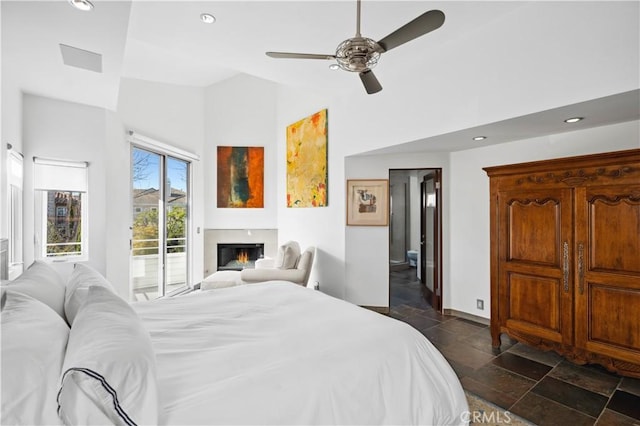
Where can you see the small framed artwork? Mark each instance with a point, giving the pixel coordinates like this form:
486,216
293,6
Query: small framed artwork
367,202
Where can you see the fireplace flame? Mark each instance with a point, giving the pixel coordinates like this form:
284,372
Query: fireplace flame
243,257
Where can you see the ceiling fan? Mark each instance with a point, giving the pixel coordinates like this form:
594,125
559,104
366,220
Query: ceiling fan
360,54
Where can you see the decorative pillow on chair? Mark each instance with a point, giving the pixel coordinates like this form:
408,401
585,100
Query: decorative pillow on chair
34,339
82,277
109,372
43,283
288,255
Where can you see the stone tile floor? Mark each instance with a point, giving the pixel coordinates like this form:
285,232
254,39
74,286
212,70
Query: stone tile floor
538,386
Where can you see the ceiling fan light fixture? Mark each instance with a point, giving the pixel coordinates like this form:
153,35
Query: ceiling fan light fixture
84,5
207,18
573,119
358,54
334,67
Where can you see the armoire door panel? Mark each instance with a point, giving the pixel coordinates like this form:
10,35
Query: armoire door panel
614,315
535,261
535,300
608,272
534,226
614,229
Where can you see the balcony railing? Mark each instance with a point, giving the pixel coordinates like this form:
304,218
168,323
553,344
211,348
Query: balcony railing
52,252
146,268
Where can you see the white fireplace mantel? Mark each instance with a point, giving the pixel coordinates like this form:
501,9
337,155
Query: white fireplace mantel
268,237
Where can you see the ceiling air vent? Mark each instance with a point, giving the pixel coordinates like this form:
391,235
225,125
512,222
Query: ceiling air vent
80,58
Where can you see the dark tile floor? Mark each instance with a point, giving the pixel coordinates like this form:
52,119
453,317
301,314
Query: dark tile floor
540,387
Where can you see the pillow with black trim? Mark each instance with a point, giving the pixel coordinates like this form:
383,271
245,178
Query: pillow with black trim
34,339
82,277
109,372
43,283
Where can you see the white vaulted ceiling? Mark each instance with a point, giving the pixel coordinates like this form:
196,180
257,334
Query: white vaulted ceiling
31,60
165,41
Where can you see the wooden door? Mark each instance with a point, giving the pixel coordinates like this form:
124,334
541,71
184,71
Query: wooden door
608,272
534,264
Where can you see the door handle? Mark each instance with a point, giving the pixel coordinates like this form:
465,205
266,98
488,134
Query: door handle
581,268
565,266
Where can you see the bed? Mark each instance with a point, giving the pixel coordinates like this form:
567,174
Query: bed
267,353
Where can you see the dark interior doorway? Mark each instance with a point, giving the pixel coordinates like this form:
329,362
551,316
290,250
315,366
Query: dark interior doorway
415,237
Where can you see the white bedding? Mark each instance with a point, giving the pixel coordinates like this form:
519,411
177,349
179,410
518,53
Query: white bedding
278,353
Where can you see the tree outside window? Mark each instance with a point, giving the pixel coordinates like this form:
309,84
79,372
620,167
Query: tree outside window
64,223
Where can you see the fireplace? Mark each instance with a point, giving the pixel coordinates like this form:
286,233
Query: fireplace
236,257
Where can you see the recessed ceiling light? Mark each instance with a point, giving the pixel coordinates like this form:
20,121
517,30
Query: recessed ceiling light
84,5
479,138
573,119
207,18
334,66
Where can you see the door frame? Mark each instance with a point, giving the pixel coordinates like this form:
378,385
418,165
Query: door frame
433,298
436,295
164,156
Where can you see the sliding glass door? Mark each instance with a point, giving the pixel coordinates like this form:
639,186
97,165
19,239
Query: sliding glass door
159,245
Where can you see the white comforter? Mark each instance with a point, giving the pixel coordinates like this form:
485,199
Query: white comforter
278,353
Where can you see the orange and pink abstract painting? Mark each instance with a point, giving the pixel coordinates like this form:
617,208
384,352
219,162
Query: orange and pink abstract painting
307,161
240,177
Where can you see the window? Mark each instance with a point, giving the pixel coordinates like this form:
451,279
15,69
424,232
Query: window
61,209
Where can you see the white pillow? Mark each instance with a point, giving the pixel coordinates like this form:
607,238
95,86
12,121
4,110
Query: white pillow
34,339
109,372
288,255
43,283
82,277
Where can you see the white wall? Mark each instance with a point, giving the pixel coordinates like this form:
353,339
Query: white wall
10,132
322,227
470,82
249,111
3,158
64,130
367,248
117,163
465,212
468,276
496,72
4,206
240,111
173,115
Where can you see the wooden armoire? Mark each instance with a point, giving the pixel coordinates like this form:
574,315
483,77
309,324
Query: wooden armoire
565,257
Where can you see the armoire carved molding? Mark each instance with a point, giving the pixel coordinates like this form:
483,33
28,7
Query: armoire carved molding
565,257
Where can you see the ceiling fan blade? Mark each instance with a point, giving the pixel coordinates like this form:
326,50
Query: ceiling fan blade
427,22
371,83
299,55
